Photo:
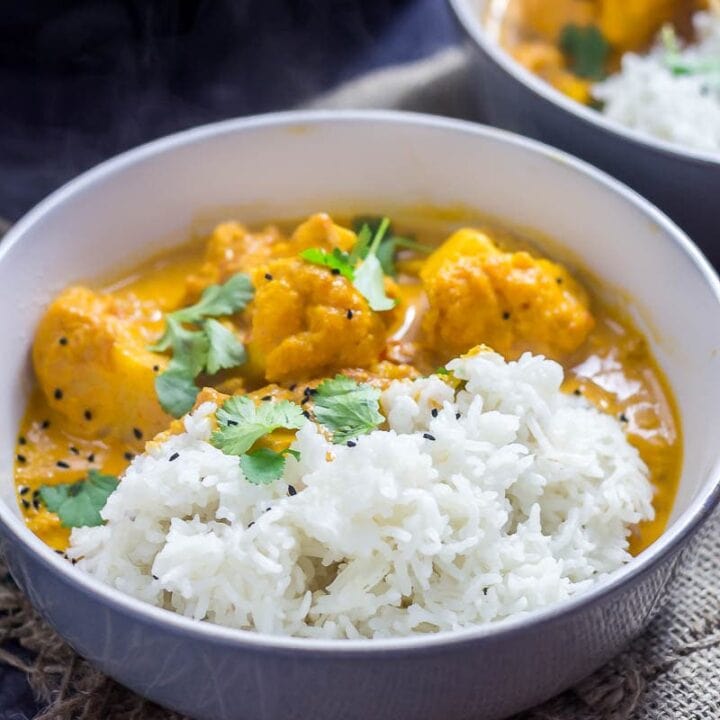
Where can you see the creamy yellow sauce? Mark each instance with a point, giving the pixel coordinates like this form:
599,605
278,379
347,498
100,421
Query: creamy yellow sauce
613,368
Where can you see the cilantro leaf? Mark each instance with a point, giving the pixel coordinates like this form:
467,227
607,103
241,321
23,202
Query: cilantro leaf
587,50
263,466
219,300
369,277
362,244
336,260
210,347
189,347
176,390
677,64
79,504
347,407
224,349
241,423
367,227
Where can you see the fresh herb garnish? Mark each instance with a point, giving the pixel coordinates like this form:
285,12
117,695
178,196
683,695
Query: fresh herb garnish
263,466
336,260
209,347
369,277
347,408
678,65
241,424
389,245
79,504
587,50
371,258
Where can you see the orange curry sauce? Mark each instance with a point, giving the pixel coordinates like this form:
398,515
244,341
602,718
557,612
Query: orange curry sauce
614,369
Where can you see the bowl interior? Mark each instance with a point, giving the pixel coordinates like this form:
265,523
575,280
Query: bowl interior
282,166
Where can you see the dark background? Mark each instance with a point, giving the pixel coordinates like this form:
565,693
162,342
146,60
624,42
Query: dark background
83,80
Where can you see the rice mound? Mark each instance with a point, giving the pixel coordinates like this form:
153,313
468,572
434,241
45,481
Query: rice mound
683,109
513,496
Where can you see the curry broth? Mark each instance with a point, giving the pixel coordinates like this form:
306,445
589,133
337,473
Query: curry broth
614,369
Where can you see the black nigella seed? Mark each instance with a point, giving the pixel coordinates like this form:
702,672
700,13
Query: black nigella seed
74,450
45,424
36,503
62,464
26,504
73,560
21,458
306,414
458,416
251,524
313,391
292,387
137,432
63,341
265,398
91,457
349,315
60,552
351,443
36,494
335,271
22,440
156,368
174,456
128,456
268,276
506,315
58,394
428,436
24,490
291,491
577,391
306,391
623,418
88,415
155,577
434,412
232,422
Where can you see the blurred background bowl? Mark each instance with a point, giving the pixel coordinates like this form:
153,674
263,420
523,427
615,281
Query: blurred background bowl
286,166
682,182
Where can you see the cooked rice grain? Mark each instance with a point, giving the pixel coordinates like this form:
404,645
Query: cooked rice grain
525,499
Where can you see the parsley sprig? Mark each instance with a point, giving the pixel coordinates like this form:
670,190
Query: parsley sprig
372,257
241,424
79,504
347,408
586,49
208,347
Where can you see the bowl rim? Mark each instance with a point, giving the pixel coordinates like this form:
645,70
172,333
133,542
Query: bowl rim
674,537
474,29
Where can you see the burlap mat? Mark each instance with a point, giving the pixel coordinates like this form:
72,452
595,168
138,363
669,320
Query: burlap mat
671,673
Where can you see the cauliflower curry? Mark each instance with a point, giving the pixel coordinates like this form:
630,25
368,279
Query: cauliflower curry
271,311
573,43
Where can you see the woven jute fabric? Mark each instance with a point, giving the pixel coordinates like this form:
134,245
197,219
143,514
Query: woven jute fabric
672,672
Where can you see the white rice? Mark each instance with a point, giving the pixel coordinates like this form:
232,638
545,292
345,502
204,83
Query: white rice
683,109
524,499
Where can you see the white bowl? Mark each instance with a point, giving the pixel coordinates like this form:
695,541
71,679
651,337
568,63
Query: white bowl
682,181
293,164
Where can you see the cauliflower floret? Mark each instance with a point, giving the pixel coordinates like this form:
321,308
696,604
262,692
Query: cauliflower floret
510,301
88,345
308,322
